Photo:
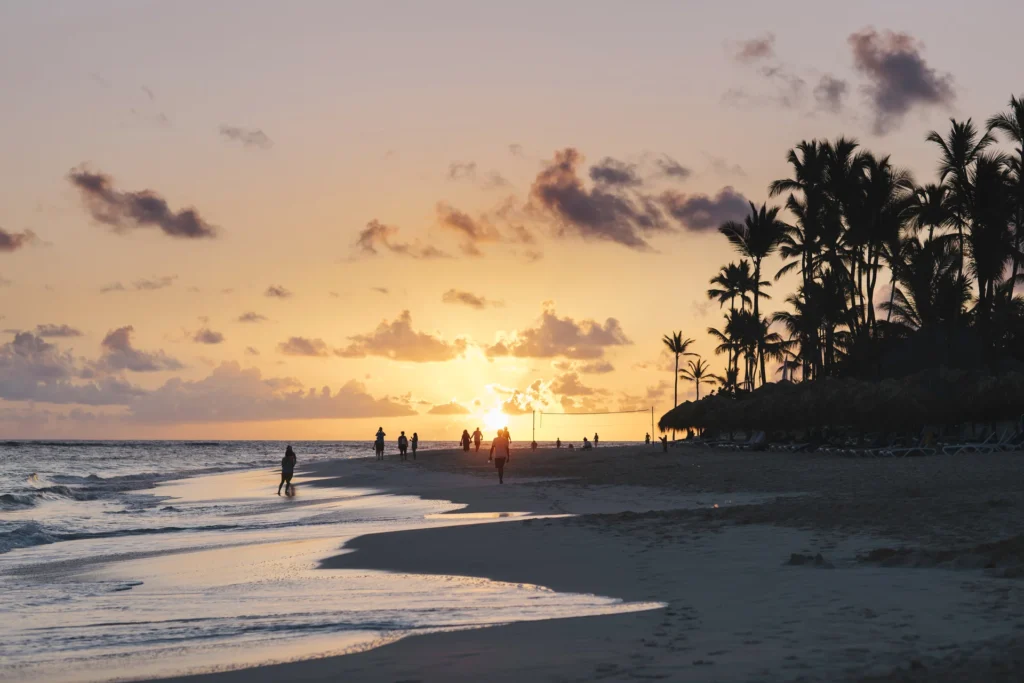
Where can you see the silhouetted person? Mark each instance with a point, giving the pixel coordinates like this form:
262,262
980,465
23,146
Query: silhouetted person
287,470
478,436
403,446
464,440
596,439
500,453
378,445
647,439
558,443
533,445
509,437
571,447
586,444
664,443
415,444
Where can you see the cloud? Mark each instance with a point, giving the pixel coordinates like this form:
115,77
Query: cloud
377,236
143,285
602,213
398,341
251,351
472,231
120,354
277,292
830,92
301,346
49,330
381,290
251,317
723,167
670,168
755,49
32,369
517,404
899,77
452,408
455,296
515,149
597,367
659,390
149,93
611,171
569,384
125,211
231,394
12,241
458,170
789,86
249,137
561,337
207,336
700,212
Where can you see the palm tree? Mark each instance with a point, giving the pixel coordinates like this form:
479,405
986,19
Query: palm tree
929,208
1011,124
734,280
757,238
678,346
697,373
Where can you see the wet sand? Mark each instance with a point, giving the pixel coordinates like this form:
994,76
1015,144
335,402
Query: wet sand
811,568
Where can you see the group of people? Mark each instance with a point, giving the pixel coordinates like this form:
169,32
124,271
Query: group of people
404,444
587,445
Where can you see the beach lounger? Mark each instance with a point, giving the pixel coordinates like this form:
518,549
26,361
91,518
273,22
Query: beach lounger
989,445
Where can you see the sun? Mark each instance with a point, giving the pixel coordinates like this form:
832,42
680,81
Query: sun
495,419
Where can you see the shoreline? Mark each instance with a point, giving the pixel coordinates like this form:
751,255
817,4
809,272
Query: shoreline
844,619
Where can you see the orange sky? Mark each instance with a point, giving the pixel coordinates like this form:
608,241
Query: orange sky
542,185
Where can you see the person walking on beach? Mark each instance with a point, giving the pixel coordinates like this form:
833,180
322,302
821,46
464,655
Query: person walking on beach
403,446
647,439
415,444
664,443
478,436
378,445
500,453
558,442
465,440
287,470
596,439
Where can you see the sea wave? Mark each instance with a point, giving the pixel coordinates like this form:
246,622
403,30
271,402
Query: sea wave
24,536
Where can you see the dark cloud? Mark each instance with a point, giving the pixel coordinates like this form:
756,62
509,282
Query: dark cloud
456,296
458,170
12,241
32,369
472,231
597,367
381,290
700,212
561,337
247,136
207,336
899,77
755,49
602,213
399,341
452,408
125,211
233,394
377,236
515,149
251,317
611,171
251,351
120,354
830,92
301,346
670,168
277,292
49,330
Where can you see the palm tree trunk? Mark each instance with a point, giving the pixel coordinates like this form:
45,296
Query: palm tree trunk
675,392
697,382
757,316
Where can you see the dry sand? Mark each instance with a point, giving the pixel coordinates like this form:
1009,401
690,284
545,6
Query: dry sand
811,568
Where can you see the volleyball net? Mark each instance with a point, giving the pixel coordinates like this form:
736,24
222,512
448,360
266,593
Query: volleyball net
612,425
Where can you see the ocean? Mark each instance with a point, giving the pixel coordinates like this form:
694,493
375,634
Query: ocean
144,559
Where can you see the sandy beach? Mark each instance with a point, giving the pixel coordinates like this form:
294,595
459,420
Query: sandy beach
771,567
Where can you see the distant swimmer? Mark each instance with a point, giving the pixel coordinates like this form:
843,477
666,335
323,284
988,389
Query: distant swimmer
378,445
287,470
478,436
500,453
403,446
415,444
465,440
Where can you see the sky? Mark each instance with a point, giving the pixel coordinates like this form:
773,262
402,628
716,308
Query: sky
251,220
